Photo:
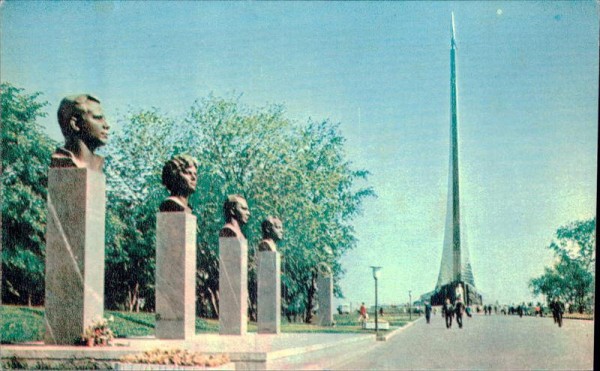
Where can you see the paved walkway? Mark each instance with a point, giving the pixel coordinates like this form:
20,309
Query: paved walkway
485,342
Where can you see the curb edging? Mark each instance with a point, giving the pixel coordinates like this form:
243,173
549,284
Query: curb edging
386,337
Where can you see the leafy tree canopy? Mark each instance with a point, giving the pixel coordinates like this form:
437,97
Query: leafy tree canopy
573,273
296,172
26,154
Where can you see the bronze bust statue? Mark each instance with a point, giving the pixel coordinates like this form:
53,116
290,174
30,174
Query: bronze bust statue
236,214
179,175
84,127
272,231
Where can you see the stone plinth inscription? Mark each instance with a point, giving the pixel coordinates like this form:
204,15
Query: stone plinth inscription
269,292
233,286
175,275
74,253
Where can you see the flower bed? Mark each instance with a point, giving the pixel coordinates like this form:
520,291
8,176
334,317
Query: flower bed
577,316
176,358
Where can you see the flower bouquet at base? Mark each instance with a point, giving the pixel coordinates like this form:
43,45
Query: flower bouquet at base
98,333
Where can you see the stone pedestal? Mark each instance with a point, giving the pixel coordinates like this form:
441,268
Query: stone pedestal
233,286
74,253
175,275
269,292
325,299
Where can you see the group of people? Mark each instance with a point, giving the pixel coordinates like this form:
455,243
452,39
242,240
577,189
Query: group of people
558,308
450,310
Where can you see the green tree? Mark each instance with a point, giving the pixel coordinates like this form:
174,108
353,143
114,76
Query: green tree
26,152
296,172
573,273
133,166
239,151
324,200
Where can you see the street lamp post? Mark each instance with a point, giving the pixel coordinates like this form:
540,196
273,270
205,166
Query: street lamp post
376,276
409,305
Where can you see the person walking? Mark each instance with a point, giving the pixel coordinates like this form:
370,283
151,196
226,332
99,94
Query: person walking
558,308
363,313
552,307
520,311
448,312
459,304
468,311
427,311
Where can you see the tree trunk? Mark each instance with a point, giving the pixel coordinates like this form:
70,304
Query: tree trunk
312,289
133,298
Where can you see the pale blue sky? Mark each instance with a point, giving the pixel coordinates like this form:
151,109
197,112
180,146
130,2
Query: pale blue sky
528,94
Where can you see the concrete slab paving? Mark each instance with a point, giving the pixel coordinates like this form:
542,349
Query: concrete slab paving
494,342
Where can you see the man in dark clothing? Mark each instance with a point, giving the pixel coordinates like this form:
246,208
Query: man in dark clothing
448,312
427,311
459,313
558,308
520,310
551,307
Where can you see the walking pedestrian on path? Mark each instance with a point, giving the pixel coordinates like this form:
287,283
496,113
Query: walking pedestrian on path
468,311
520,309
427,311
458,304
448,312
558,308
363,314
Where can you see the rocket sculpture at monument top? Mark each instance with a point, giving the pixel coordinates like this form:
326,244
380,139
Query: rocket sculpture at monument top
455,266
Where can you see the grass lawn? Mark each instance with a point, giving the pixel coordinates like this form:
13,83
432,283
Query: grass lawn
20,324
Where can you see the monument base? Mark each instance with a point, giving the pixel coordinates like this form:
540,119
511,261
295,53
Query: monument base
175,275
74,253
233,286
269,292
472,297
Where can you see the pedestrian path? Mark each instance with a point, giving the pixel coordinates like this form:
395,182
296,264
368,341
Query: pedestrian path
485,342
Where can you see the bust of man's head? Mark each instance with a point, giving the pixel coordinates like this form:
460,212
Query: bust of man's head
179,175
81,119
272,229
236,208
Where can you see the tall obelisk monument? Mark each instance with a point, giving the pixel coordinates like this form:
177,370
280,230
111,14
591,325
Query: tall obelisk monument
455,266
455,192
